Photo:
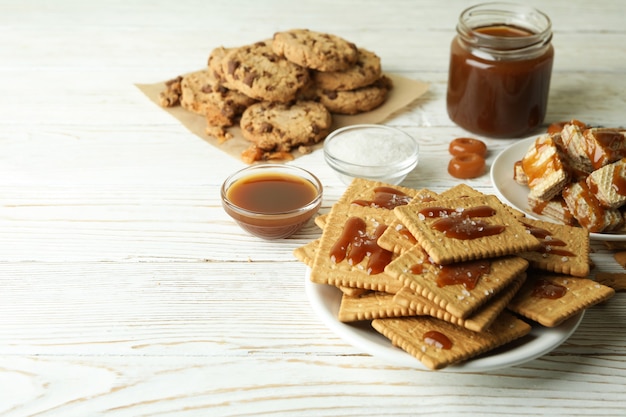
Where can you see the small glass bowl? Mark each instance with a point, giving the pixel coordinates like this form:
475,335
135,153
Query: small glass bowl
374,152
272,224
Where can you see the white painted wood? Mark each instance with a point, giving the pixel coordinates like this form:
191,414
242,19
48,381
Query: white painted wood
126,291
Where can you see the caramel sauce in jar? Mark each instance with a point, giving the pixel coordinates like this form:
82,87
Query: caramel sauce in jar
500,70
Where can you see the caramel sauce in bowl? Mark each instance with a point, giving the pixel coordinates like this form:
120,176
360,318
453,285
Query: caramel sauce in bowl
271,201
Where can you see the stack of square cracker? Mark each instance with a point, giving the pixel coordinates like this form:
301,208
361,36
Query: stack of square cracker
577,176
406,301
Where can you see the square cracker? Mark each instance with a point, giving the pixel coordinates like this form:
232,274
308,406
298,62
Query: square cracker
580,294
444,250
369,306
307,252
565,249
365,192
464,190
397,238
477,322
320,221
455,299
325,270
409,334
374,193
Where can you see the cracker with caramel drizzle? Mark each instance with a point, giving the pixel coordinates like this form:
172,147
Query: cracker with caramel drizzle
471,228
477,322
307,253
374,194
550,299
371,305
564,249
438,344
397,238
362,198
348,253
460,288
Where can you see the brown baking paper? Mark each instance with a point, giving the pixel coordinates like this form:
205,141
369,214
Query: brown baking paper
403,93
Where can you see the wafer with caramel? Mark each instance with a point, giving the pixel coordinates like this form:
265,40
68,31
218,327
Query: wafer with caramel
587,210
607,184
545,167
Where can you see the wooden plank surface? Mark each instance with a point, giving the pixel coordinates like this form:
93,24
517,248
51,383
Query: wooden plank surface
125,290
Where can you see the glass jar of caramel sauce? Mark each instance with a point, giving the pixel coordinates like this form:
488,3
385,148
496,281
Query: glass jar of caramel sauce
500,68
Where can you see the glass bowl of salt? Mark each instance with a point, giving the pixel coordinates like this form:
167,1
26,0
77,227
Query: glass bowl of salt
374,152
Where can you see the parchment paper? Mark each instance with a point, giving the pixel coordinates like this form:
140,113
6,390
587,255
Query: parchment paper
403,93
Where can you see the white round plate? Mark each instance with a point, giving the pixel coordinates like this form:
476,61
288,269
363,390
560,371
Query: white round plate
325,300
516,195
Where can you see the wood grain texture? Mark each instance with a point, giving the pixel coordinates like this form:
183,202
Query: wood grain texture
125,290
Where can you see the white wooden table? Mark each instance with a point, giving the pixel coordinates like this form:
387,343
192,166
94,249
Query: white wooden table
125,290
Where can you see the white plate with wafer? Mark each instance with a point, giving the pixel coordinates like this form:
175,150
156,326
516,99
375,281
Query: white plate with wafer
516,195
326,299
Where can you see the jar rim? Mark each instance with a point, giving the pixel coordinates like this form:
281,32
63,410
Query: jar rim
520,16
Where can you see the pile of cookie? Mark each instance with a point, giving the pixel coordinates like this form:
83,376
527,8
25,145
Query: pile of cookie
281,91
448,276
576,174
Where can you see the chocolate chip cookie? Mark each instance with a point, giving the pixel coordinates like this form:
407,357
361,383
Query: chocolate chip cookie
356,101
258,72
203,94
283,127
315,50
170,97
215,64
364,72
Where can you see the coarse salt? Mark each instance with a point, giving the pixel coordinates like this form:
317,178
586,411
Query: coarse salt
370,148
